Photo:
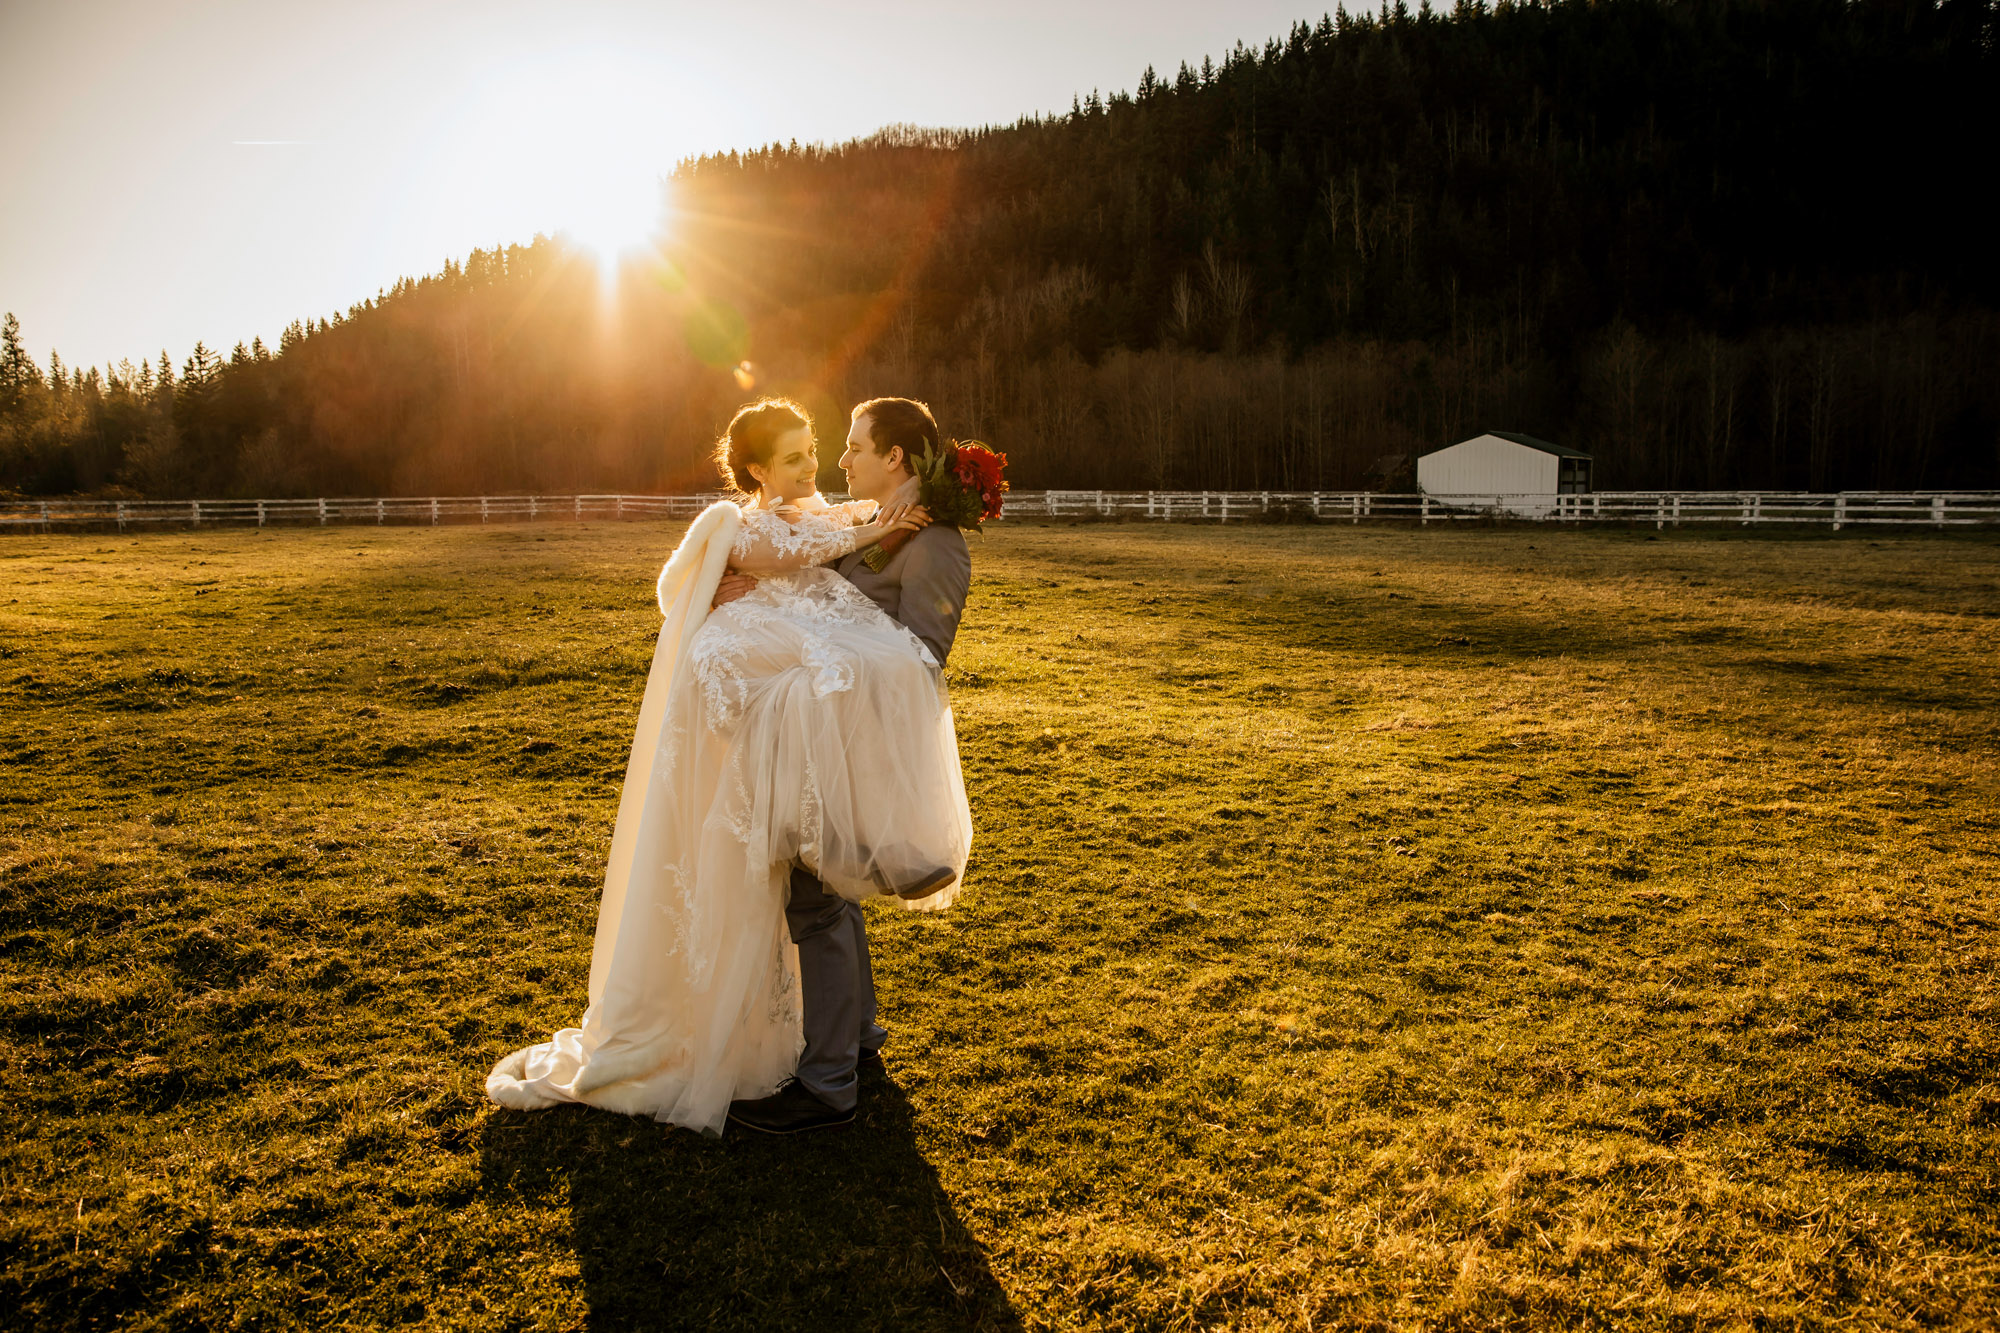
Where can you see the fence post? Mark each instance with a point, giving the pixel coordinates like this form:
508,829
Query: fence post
1225,506
322,513
194,513
1677,510
1756,509
1427,511
482,509
579,509
1937,510
45,517
1839,511
618,508
121,516
434,511
378,511
1659,513
531,509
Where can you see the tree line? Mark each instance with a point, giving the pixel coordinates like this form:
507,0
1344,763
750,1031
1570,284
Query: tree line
1718,243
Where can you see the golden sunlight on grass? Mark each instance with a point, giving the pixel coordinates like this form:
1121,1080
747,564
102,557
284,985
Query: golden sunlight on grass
1367,928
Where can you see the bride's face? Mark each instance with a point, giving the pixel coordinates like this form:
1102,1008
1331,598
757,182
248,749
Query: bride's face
794,470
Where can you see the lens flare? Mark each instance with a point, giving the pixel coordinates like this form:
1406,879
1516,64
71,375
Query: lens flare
716,333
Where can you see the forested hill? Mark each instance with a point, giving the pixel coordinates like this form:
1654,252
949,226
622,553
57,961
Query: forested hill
1718,244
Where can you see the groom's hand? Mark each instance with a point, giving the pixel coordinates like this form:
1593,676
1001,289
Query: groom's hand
732,587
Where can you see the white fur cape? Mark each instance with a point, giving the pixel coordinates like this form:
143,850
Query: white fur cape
686,587
590,1063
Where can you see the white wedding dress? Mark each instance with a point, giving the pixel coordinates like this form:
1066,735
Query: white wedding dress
796,723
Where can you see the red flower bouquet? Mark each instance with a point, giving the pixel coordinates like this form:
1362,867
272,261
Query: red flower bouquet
961,484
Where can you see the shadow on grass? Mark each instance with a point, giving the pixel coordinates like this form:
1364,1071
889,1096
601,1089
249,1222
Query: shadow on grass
842,1229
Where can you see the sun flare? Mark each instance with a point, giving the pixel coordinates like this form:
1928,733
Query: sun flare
617,213
578,140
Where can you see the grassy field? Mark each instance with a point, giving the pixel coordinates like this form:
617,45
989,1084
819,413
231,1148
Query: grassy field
1367,928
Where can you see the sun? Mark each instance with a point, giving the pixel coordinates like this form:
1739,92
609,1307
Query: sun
575,141
615,211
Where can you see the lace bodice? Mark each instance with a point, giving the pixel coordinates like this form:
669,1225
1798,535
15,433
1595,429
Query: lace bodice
777,542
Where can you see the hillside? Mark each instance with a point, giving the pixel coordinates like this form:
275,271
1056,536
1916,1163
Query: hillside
1719,244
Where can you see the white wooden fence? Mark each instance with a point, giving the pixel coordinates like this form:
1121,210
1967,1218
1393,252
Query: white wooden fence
1660,508
1927,509
427,510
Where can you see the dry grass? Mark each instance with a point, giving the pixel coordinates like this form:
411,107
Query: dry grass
1368,928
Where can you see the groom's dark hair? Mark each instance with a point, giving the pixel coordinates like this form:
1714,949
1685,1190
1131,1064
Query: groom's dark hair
901,423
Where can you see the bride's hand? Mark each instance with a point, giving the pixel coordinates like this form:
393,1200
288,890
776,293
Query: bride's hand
900,518
903,518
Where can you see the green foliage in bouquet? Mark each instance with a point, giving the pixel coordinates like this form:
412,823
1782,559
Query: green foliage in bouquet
961,484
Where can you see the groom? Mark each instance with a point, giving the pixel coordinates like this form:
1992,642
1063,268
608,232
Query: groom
922,588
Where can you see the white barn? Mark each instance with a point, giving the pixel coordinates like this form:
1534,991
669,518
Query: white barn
1505,471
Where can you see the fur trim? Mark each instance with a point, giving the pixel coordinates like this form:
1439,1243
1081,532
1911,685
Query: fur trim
716,527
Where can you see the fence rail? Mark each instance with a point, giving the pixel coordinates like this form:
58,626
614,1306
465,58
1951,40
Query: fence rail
1660,508
1930,509
405,510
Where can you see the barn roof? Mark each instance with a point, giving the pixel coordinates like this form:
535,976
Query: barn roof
1560,451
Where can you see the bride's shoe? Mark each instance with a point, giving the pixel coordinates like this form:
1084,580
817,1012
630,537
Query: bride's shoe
931,881
922,885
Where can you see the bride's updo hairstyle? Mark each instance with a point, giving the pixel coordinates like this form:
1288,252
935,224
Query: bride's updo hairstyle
900,422
752,437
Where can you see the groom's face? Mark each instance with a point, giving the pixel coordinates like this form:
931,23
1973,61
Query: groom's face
870,476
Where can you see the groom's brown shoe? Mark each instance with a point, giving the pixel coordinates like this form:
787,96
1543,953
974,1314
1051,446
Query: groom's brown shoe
792,1109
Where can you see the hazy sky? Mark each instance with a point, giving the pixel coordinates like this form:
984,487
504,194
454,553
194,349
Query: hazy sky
213,171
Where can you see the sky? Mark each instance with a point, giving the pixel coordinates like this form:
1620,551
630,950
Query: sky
214,171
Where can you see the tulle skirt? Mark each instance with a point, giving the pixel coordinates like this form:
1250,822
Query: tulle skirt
843,754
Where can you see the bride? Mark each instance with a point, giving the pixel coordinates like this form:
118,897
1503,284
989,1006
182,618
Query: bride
799,724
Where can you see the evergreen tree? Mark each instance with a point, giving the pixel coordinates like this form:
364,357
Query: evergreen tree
18,376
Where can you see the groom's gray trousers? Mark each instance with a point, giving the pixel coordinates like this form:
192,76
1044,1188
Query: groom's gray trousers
923,589
837,989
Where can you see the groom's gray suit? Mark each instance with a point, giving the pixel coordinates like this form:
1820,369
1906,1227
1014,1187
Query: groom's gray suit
922,588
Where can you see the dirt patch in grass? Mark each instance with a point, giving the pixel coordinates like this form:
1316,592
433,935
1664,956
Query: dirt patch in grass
1366,928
